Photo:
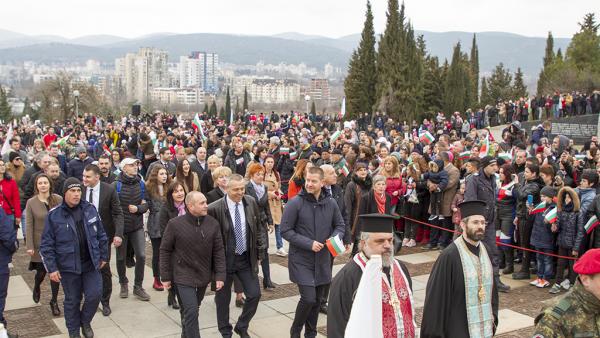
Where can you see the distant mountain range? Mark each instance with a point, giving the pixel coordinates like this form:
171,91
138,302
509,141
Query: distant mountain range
292,48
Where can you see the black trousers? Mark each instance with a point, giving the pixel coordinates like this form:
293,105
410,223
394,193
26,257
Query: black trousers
242,269
155,256
107,278
190,299
325,295
307,311
525,228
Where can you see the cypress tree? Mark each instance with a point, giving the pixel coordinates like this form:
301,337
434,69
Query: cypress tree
432,85
499,84
474,62
222,114
245,106
5,110
388,61
227,106
213,109
457,86
548,59
352,87
206,108
367,58
519,87
237,107
313,108
485,93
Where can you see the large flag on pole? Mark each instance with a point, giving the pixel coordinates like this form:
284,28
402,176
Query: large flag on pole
343,109
366,318
6,145
197,124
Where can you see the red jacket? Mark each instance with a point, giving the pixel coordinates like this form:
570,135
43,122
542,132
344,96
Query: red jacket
10,195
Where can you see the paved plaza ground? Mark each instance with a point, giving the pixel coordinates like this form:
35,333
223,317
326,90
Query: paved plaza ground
134,318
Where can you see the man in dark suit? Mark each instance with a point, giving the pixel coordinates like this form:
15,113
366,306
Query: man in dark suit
200,166
243,238
106,200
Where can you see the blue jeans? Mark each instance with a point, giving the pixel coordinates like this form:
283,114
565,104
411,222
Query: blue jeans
544,264
278,238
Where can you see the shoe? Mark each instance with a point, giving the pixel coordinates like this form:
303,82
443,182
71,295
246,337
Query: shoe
87,331
157,284
405,242
281,252
521,275
543,283
508,270
429,246
555,289
566,284
432,217
36,294
323,308
106,311
124,291
535,282
411,243
518,260
240,302
241,333
268,286
502,287
140,293
129,262
55,309
441,217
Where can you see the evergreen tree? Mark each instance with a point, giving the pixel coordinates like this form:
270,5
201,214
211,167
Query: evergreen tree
433,85
237,107
486,98
412,72
206,108
5,110
457,87
584,50
519,87
559,55
499,84
548,59
245,107
352,87
222,114
388,61
213,109
313,108
474,62
227,106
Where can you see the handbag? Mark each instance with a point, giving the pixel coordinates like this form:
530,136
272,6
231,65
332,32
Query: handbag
412,198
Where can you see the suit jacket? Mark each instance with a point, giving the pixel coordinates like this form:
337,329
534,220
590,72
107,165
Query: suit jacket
255,235
110,210
214,195
197,168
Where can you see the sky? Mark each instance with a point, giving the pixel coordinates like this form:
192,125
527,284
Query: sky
332,18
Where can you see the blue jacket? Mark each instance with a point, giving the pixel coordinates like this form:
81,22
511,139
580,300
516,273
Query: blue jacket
541,235
8,241
60,244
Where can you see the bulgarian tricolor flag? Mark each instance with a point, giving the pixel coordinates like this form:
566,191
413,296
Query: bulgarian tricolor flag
61,142
197,124
293,155
335,245
335,136
486,149
591,224
505,156
345,171
284,151
539,208
465,155
551,215
426,137
107,149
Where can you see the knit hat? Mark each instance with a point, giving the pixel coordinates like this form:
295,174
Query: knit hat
80,150
548,191
13,155
71,183
487,161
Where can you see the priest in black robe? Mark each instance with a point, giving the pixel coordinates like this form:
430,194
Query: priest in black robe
445,313
376,239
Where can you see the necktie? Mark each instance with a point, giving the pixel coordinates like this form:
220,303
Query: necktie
240,240
91,196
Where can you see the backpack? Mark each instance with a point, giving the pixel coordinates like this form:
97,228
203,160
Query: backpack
142,189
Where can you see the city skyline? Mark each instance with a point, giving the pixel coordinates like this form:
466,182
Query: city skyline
136,18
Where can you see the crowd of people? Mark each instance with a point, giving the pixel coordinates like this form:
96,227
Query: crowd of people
206,195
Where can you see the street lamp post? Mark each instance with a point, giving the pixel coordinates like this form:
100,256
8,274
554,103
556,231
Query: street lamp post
76,94
307,98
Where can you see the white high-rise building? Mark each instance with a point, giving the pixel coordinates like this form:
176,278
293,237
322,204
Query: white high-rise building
199,70
143,71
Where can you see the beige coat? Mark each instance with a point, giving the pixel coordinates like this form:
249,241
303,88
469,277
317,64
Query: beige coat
275,204
35,217
451,189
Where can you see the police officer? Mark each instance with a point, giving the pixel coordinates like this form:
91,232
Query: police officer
482,186
8,246
74,248
576,315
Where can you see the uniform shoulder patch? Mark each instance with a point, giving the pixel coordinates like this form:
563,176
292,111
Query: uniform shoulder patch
559,309
537,335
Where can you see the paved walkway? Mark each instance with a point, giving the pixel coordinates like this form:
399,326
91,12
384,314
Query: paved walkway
134,318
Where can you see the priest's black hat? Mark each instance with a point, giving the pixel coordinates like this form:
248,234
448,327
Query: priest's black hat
470,208
377,223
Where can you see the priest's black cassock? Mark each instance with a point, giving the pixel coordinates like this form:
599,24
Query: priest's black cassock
445,309
341,297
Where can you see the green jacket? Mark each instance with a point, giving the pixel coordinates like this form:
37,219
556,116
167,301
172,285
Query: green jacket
576,315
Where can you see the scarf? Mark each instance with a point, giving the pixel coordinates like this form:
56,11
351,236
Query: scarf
398,313
478,289
180,208
380,199
259,188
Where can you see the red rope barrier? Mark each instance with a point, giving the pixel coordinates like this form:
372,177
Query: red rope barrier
497,242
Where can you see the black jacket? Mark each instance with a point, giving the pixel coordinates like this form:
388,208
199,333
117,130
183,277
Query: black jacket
131,194
255,239
368,205
192,251
206,183
109,210
214,195
522,190
167,213
337,193
483,188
